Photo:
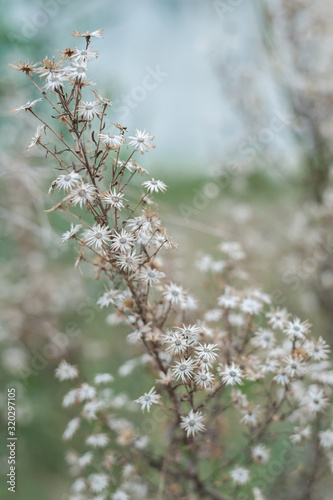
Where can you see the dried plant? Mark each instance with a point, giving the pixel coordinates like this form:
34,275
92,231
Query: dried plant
239,394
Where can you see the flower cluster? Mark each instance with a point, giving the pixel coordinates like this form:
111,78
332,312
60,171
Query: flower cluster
242,362
106,462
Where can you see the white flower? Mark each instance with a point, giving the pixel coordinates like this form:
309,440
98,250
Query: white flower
112,141
165,378
260,454
259,294
257,495
98,482
250,306
250,417
174,293
55,80
85,193
88,110
269,366
205,362
232,249
97,440
67,181
79,485
141,141
71,457
85,459
65,371
217,266
183,369
204,379
326,438
49,67
103,378
240,475
204,263
120,495
207,350
231,375
236,319
78,70
213,315
91,409
227,300
26,106
315,399
301,434
122,242
86,392
84,55
150,275
147,221
144,238
37,137
178,342
129,262
294,366
70,398
191,333
278,318
71,428
318,373
97,235
192,423
295,329
263,338
148,399
239,399
120,401
138,334
108,298
154,186
318,350
282,377
114,199
70,233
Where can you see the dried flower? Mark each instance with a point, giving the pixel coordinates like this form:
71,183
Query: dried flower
240,475
112,141
148,399
67,181
155,186
71,232
141,141
122,242
113,199
192,423
89,110
37,137
89,34
83,194
65,371
97,236
231,375
25,67
26,106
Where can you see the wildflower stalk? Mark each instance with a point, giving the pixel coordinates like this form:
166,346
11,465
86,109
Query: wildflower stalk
200,367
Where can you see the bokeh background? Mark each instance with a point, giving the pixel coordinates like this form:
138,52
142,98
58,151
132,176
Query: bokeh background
239,96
